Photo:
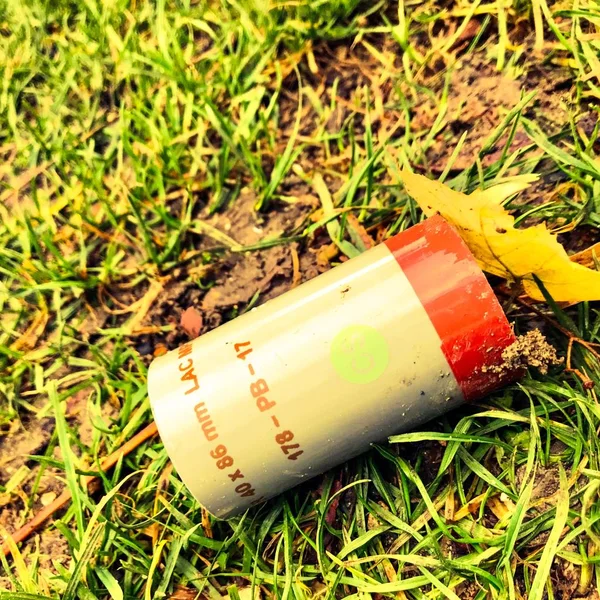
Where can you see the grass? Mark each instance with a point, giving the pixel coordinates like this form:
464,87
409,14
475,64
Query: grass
124,125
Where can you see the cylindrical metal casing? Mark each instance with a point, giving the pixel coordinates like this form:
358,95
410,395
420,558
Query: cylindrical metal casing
373,347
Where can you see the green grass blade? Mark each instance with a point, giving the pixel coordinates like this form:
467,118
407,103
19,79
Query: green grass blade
545,563
68,456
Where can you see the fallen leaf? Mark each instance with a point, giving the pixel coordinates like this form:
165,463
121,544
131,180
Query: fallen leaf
501,249
503,508
324,254
471,507
589,257
48,498
245,593
208,532
18,183
30,337
191,322
77,403
159,350
151,531
183,593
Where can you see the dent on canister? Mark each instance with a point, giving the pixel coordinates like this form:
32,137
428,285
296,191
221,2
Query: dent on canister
373,347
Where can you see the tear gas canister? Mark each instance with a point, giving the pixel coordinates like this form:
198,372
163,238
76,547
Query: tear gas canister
377,345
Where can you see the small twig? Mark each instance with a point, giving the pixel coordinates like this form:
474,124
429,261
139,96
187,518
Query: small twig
40,518
588,384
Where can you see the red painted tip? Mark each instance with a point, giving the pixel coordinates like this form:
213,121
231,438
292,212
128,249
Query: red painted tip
459,301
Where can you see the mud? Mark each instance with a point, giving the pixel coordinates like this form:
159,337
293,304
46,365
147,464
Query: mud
529,350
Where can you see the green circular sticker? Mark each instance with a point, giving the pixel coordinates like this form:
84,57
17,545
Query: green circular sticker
359,354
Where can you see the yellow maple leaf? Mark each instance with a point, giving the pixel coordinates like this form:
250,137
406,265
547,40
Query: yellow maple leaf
500,248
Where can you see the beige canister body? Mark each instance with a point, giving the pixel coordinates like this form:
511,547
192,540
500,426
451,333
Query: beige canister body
375,346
